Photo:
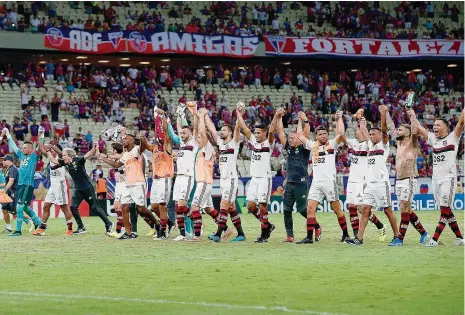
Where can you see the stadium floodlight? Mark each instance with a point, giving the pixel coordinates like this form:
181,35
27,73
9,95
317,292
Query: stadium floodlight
104,61
64,59
42,62
354,70
125,58
144,62
125,65
86,63
452,65
81,57
286,63
165,60
416,70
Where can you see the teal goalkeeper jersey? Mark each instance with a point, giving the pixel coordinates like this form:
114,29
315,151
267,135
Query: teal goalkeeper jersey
2,179
27,165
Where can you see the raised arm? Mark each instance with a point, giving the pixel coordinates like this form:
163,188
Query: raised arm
420,129
300,134
92,152
11,143
167,144
363,128
202,129
340,129
210,126
237,132
57,150
459,128
272,129
51,158
391,126
280,128
240,121
384,129
306,126
145,145
113,163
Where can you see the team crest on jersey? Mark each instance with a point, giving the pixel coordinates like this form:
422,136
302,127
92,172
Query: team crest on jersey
25,161
278,43
115,38
444,142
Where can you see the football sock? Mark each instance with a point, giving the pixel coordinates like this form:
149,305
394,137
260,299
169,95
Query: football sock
197,218
404,221
343,224
310,227
454,226
222,222
32,215
69,223
374,219
443,219
416,223
354,220
133,216
180,220
163,224
19,217
43,226
236,220
119,221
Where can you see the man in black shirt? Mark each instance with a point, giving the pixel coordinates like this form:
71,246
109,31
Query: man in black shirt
296,187
11,188
84,189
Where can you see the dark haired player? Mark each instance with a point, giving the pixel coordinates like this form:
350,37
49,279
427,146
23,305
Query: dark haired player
57,193
28,161
406,181
445,146
228,143
377,192
259,191
324,178
135,190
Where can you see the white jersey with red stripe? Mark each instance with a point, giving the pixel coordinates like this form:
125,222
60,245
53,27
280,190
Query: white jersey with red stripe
444,154
325,168
358,160
260,165
376,162
228,158
186,156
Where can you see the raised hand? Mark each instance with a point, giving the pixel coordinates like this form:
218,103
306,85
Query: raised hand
383,109
302,116
280,112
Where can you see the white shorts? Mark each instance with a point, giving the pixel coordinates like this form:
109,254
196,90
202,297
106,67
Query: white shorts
161,190
406,188
203,196
57,194
229,189
355,193
377,194
182,187
444,191
319,190
119,189
259,190
134,194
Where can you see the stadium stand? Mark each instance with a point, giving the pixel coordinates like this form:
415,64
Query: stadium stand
370,19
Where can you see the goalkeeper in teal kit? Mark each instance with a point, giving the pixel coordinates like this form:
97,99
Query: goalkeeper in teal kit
28,162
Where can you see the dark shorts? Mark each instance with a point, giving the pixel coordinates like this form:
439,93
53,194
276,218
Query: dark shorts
295,193
10,207
25,194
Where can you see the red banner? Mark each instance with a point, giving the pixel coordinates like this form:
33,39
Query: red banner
362,47
85,42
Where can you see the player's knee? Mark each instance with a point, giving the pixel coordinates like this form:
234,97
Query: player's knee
404,206
366,210
251,206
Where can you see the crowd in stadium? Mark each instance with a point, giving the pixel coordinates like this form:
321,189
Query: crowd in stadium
111,90
359,19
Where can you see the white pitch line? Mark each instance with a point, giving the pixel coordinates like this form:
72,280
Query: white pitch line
24,295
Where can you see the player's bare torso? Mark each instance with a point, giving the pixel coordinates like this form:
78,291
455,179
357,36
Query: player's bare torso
406,159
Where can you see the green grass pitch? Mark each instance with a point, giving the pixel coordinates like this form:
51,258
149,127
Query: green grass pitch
95,274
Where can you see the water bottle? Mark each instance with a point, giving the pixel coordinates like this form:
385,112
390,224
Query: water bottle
409,101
